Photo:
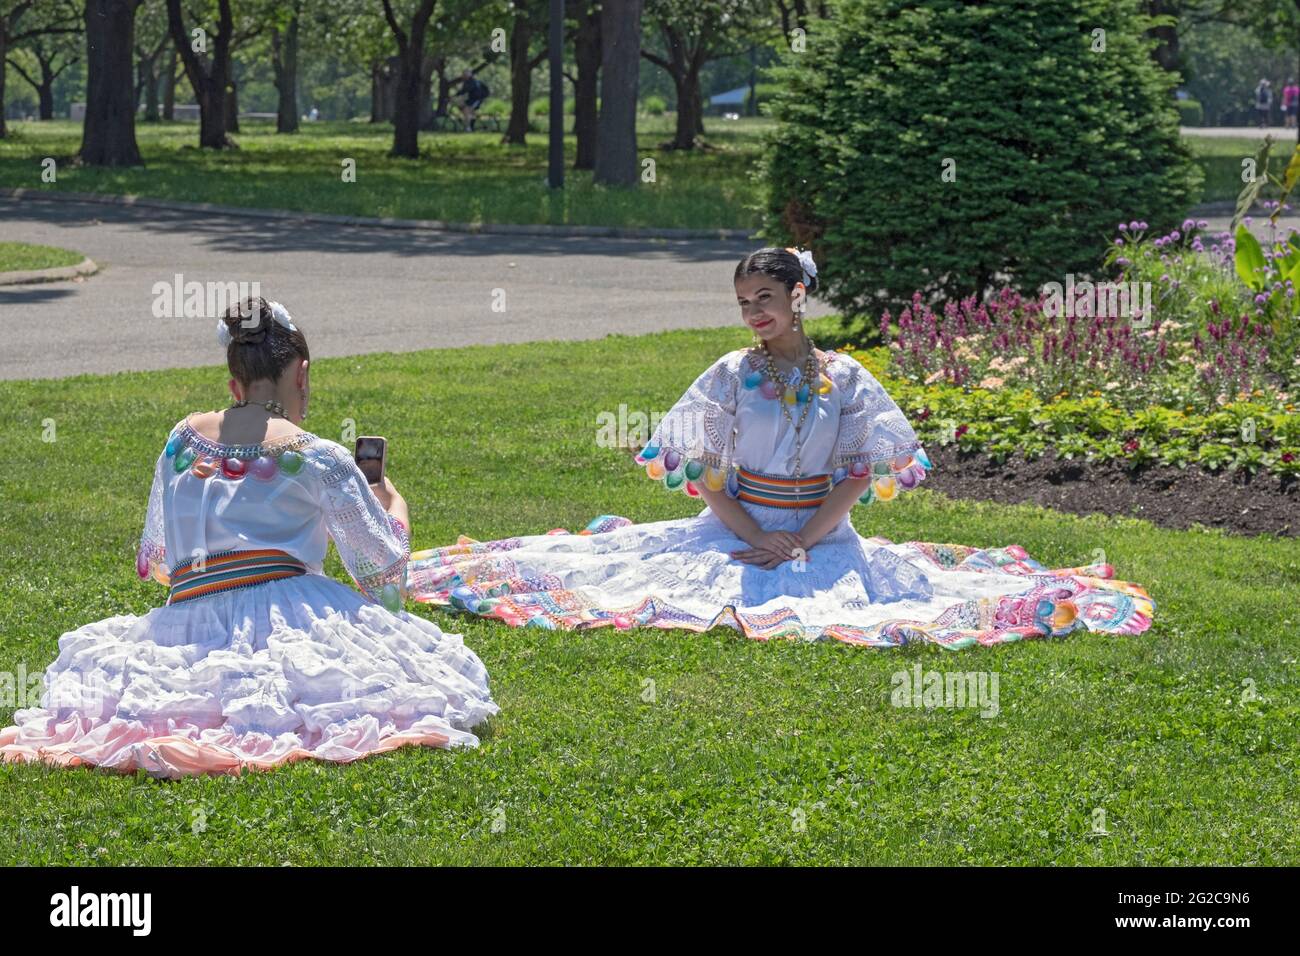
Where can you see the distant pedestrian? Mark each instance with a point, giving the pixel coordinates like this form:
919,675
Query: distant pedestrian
1264,102
1291,102
471,95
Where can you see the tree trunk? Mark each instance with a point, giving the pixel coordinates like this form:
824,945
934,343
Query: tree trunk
688,107
1165,52
521,81
284,61
169,88
620,57
410,62
428,66
683,65
230,106
108,134
444,89
376,92
45,94
151,92
4,51
212,118
209,84
139,82
406,106
586,53
146,69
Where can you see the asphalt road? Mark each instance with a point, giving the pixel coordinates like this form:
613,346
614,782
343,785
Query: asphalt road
353,289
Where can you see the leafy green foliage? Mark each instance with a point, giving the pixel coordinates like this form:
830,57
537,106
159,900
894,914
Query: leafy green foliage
1045,140
1256,433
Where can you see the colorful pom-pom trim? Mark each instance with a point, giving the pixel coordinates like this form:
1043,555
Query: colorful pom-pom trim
678,472
203,458
888,476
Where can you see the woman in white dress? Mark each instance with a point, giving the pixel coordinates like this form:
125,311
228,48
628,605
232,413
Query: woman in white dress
257,658
780,441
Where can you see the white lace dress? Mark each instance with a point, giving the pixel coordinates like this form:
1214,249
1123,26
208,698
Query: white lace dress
258,658
729,431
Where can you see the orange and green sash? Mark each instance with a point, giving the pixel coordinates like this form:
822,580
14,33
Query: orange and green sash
230,570
806,492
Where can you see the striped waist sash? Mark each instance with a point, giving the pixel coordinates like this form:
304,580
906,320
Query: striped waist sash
230,570
806,492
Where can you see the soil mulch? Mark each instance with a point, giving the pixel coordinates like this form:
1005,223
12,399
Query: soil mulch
1162,494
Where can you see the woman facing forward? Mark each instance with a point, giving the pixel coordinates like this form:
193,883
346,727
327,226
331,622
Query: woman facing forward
257,658
780,441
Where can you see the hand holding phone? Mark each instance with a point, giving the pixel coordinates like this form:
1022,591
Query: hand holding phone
372,457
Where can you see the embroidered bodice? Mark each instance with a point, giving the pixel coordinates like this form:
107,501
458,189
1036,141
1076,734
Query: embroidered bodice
293,494
731,417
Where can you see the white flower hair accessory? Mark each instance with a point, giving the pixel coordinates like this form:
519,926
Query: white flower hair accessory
279,314
805,258
809,266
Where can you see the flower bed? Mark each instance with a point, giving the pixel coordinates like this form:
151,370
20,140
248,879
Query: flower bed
1199,366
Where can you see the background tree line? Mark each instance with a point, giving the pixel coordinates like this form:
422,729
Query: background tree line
399,61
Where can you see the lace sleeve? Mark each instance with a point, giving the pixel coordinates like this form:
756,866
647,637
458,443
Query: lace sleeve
875,439
151,556
373,545
695,440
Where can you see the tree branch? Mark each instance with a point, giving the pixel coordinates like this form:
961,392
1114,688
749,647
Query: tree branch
395,26
656,60
23,73
40,32
7,23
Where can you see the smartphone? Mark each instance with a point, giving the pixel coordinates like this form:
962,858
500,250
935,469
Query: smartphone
372,457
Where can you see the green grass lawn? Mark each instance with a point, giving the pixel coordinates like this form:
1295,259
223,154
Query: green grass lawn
462,177
1158,730
467,178
24,257
1220,159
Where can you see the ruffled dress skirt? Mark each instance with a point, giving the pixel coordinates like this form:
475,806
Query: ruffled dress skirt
867,591
252,678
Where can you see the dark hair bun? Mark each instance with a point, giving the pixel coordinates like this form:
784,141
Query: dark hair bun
249,321
260,348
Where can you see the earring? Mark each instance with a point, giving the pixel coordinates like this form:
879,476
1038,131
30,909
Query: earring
796,321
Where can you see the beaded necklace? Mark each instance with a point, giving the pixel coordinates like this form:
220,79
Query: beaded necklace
274,407
790,395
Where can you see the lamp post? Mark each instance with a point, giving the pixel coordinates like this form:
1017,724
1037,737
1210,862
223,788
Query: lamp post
555,177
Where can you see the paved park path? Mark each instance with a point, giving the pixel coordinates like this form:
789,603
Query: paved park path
356,289
1279,133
